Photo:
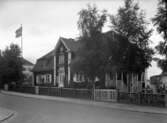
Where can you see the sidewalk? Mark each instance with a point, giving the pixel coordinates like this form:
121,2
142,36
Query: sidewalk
118,106
5,114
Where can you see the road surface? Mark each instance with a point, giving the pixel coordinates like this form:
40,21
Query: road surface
30,110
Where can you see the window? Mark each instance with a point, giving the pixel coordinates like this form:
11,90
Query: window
48,78
79,77
43,78
61,79
61,59
37,79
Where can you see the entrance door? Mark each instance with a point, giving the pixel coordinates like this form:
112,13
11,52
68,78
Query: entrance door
61,77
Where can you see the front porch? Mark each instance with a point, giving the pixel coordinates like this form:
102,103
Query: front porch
125,82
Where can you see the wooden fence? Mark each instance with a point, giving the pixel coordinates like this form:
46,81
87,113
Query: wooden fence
143,99
96,94
105,95
111,95
23,89
66,92
54,91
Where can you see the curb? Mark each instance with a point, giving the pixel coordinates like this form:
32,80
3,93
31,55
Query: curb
112,105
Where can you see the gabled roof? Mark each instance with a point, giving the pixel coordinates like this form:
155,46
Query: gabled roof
45,63
48,55
70,43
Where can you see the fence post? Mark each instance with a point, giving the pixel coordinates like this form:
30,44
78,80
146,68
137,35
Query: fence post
6,87
36,89
49,90
165,99
61,91
117,95
93,94
139,97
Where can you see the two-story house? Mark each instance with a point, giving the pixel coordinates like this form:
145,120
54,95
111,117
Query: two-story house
53,69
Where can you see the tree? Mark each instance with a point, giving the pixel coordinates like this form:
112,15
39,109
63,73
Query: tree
90,58
160,20
91,21
11,64
130,22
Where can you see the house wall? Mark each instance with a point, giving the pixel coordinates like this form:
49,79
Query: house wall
124,82
43,78
164,80
115,81
161,79
61,66
28,74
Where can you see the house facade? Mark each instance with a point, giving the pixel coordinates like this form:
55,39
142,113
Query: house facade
54,69
43,70
125,82
62,60
160,80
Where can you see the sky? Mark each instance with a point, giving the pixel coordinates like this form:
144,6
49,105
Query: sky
44,21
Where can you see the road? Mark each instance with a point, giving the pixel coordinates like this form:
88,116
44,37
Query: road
30,110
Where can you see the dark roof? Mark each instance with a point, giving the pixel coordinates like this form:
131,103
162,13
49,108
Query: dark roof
45,63
26,62
72,44
48,55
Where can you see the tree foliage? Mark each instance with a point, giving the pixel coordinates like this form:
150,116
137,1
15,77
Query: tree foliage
124,48
90,57
160,20
91,21
130,22
11,64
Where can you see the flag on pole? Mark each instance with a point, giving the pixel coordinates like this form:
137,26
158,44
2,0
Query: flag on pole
19,32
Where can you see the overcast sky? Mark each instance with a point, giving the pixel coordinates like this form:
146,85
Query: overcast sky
44,21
